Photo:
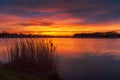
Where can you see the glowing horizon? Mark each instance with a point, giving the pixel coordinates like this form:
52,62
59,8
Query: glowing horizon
59,17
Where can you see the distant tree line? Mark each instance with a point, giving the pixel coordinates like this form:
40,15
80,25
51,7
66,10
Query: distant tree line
5,34
112,34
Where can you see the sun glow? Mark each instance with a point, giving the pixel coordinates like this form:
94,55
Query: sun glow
60,29
70,29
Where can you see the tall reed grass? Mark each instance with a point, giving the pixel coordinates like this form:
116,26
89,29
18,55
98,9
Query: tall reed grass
34,55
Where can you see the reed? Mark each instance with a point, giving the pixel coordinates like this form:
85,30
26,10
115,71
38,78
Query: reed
34,55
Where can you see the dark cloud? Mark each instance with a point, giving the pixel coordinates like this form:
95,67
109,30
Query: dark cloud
92,11
36,24
26,24
46,23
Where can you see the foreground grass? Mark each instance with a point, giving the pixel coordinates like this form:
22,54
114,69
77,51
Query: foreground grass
28,59
9,74
33,55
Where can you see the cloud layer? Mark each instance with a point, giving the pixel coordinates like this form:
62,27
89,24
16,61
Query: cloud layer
58,13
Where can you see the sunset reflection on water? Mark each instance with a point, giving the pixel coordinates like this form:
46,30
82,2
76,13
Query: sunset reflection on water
83,59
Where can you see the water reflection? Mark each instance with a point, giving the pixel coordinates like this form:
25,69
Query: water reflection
73,47
85,59
91,67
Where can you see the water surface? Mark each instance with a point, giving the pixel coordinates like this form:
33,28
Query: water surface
83,59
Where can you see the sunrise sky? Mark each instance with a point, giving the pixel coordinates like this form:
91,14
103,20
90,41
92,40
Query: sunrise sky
59,17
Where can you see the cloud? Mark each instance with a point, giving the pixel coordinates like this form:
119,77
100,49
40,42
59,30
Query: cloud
36,24
47,12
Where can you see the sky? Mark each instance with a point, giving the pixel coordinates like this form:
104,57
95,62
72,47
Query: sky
59,17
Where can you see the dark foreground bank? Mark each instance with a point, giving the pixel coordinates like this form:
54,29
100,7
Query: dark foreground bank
10,74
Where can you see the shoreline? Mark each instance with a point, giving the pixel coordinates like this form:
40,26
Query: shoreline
10,74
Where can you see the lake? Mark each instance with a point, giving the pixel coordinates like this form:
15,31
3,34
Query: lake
82,59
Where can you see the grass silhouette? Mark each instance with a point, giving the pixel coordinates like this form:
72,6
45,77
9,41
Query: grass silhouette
33,55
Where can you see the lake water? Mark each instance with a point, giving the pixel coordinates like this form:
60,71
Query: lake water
83,59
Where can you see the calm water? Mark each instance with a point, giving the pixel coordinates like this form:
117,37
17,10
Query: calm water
83,59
